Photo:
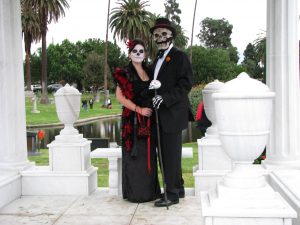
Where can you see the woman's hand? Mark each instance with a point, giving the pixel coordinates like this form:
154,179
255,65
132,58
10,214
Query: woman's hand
144,111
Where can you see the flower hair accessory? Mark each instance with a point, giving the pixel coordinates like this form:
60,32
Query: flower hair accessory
130,44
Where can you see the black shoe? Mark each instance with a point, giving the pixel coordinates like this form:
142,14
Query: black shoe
181,194
163,203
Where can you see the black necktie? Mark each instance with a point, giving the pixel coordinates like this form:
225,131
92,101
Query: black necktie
161,53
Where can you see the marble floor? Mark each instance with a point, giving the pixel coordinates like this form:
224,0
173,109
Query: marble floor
97,209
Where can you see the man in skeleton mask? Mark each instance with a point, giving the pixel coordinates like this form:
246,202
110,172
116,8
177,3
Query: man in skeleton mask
173,69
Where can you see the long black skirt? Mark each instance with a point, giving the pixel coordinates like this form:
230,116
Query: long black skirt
138,184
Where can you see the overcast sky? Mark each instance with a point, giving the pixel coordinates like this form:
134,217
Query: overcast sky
87,19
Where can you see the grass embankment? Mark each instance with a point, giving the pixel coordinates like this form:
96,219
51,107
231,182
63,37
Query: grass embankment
102,164
48,114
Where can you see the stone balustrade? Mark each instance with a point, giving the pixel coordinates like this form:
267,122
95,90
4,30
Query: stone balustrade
114,156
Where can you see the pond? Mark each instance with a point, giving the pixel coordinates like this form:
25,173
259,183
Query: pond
108,128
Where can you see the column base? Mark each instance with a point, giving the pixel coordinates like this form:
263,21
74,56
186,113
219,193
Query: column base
13,167
253,206
10,187
42,181
273,164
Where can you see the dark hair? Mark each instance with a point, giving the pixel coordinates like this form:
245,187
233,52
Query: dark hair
132,43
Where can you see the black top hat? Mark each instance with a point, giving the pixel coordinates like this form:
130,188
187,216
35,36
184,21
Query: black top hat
163,23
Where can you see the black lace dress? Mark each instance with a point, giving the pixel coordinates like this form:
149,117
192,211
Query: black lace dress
139,160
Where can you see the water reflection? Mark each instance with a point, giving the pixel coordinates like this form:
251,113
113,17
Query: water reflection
110,128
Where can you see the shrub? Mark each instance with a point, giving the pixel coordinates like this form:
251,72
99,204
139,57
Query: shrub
195,96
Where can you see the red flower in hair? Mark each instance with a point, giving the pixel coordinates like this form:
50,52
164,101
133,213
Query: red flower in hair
130,44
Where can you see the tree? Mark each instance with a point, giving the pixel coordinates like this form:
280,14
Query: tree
66,60
260,49
48,11
216,34
210,64
173,14
93,71
36,65
251,61
65,63
105,58
192,35
31,32
172,11
130,20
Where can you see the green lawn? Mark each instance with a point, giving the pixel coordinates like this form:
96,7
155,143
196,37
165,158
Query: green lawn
48,114
102,164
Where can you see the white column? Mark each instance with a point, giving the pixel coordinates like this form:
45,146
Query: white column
283,78
13,150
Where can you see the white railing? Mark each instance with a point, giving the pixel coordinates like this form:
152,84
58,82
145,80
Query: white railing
114,156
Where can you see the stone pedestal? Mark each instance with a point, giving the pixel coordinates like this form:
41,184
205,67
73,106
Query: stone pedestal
69,172
235,206
214,163
244,111
287,183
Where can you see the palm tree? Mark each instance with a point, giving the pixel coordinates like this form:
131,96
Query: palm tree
260,48
31,32
105,63
192,35
130,20
48,11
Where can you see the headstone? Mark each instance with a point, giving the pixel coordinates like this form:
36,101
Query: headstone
34,99
99,143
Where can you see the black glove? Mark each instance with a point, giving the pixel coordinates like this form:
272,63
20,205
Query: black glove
157,100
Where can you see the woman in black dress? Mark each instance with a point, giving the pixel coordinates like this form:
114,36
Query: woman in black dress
139,161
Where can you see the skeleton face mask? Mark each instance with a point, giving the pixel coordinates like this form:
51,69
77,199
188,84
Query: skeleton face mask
137,54
162,37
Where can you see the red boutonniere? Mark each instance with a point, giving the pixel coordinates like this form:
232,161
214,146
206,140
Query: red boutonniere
168,58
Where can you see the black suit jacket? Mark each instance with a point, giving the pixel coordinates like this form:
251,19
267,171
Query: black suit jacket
175,76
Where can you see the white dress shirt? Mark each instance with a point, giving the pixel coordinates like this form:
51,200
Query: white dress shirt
161,60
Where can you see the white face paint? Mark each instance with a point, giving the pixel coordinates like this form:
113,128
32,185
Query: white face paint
137,54
162,37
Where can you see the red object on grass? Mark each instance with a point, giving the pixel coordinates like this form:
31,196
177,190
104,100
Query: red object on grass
41,134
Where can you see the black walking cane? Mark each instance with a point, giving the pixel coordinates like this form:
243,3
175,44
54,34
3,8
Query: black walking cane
155,84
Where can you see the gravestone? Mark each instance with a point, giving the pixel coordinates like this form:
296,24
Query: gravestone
99,143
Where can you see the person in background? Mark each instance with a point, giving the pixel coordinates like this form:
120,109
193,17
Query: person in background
202,122
91,103
109,106
84,104
139,161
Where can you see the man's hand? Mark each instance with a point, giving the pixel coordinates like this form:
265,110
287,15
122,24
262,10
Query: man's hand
157,100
